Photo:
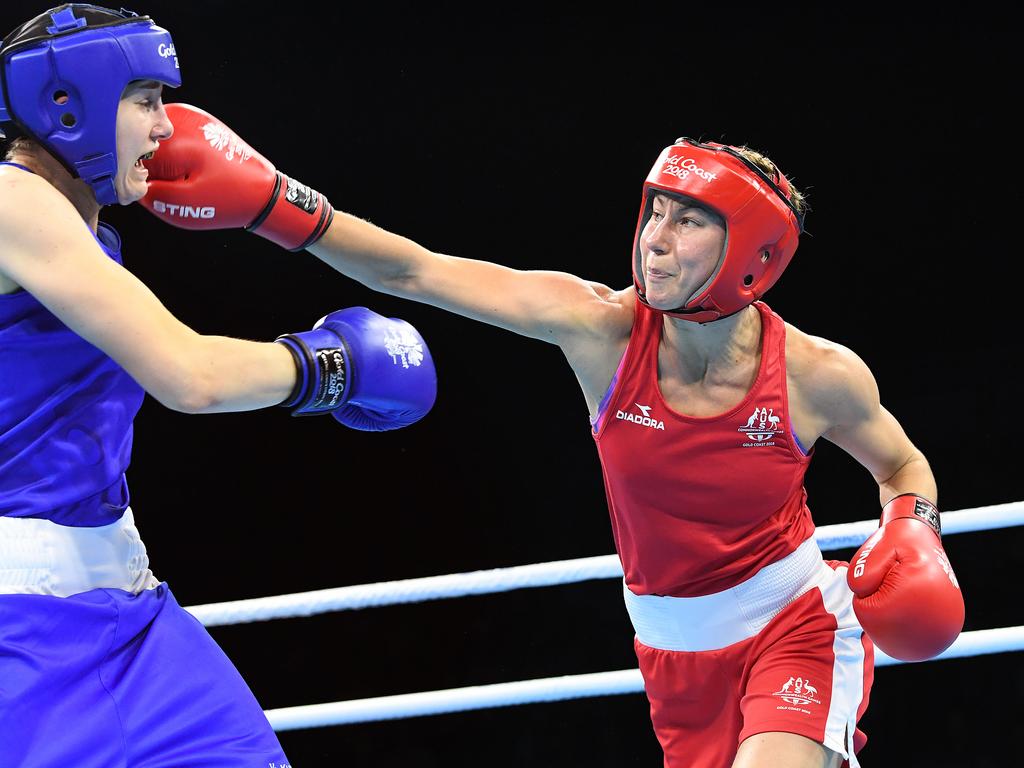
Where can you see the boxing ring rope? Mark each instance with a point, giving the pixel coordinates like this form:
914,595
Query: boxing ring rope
553,689
545,574
351,598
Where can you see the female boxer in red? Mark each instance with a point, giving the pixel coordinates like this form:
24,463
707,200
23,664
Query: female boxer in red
747,640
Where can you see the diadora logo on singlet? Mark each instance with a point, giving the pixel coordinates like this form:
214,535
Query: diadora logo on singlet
799,691
221,138
643,418
761,427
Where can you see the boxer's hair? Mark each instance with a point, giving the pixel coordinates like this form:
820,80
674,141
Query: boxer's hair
17,145
796,197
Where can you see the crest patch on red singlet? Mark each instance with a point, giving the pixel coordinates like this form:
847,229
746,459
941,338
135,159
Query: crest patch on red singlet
761,428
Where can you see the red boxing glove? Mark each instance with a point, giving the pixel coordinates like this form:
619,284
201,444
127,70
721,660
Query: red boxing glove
905,593
206,177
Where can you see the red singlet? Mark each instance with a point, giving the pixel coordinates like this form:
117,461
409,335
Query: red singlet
699,505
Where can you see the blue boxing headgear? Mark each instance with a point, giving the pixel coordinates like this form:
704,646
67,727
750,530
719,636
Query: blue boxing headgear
61,79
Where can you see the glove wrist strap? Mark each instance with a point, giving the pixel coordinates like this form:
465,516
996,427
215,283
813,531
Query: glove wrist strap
913,506
295,217
324,378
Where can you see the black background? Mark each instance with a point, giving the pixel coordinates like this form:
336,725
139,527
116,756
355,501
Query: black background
523,138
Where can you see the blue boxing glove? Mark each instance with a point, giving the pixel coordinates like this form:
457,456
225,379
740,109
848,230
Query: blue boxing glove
370,372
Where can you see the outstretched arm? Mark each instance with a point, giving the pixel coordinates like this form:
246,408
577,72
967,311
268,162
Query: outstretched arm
196,185
545,305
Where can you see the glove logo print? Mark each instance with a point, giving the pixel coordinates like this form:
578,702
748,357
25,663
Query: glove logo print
928,514
858,569
761,428
331,366
403,344
301,196
944,564
220,138
798,691
185,211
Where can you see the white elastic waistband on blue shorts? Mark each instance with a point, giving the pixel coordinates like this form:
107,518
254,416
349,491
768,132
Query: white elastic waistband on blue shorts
40,557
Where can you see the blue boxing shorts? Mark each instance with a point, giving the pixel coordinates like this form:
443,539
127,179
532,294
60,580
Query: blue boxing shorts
110,679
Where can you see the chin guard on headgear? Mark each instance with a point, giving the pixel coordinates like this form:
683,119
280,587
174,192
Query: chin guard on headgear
61,79
762,225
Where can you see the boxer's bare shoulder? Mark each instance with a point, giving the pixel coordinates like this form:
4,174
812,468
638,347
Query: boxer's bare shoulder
828,384
20,191
37,225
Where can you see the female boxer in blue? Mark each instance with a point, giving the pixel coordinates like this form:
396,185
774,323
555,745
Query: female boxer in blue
99,666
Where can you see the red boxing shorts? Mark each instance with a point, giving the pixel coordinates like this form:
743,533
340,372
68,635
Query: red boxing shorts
805,667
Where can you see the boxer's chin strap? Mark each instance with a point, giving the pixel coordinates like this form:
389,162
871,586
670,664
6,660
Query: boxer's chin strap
692,315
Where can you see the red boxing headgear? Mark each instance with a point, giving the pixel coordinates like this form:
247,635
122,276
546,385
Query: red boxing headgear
762,225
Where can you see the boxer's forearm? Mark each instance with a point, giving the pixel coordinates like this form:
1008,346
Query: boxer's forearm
222,375
378,259
915,476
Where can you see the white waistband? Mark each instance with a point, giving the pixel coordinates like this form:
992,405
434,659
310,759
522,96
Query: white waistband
40,557
719,620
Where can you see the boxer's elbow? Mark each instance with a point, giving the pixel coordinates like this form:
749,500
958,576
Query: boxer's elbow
182,380
186,392
403,283
422,275
194,399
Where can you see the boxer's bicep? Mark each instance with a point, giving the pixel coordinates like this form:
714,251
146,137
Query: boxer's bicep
857,421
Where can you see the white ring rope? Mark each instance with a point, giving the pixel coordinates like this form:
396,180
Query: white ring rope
537,575
553,689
